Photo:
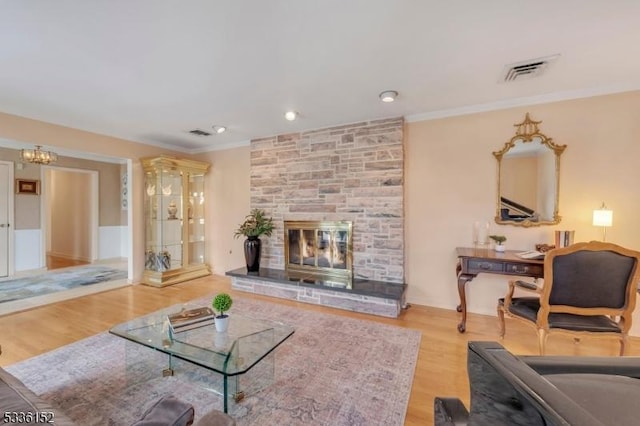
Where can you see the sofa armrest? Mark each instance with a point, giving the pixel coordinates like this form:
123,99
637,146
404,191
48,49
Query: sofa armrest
16,397
620,366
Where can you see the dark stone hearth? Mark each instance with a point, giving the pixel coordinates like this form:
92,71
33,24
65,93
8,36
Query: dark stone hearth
371,297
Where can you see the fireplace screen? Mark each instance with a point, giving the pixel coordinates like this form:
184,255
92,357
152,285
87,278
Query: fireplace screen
319,248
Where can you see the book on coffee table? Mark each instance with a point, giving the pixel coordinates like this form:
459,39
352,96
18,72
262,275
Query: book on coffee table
190,319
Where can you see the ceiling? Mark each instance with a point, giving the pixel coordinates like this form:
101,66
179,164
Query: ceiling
151,70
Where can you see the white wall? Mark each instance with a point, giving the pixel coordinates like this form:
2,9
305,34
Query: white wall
28,249
112,242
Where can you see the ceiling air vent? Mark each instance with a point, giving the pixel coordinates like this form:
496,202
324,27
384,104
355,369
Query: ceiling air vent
527,69
199,132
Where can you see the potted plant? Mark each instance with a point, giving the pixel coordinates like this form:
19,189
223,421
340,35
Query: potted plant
255,225
498,239
222,303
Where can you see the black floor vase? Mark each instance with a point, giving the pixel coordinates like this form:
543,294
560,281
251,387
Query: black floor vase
252,249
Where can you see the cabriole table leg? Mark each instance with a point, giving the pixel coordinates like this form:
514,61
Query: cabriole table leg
463,279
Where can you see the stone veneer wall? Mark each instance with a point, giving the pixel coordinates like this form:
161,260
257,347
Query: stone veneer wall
353,172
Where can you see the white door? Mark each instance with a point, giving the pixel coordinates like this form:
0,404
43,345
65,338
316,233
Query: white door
6,207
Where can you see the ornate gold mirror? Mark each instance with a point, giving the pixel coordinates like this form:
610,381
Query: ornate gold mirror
528,178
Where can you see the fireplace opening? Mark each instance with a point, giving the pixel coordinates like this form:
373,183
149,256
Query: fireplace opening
320,249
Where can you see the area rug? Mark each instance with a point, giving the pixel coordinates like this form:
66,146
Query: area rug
54,281
333,371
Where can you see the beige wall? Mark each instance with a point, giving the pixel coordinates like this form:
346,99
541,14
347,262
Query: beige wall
51,136
27,207
228,202
109,175
451,182
70,220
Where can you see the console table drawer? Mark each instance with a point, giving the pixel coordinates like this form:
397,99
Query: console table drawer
485,266
524,269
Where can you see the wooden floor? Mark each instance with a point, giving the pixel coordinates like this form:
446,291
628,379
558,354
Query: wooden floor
55,262
441,369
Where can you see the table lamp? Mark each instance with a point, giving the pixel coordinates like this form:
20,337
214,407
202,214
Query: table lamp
603,217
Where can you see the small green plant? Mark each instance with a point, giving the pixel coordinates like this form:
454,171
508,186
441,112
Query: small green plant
499,239
222,303
255,224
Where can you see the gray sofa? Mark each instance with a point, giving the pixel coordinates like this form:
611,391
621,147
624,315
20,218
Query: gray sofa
15,398
544,390
17,403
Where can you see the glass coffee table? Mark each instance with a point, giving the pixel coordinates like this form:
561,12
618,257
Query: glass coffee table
247,343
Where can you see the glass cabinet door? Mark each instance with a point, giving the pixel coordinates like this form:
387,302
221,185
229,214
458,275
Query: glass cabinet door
174,201
195,214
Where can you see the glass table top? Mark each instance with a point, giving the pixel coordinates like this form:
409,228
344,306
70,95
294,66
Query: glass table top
245,343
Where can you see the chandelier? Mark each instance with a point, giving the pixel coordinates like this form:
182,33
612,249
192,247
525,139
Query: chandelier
38,156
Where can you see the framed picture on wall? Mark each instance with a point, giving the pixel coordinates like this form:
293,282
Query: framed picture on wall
28,186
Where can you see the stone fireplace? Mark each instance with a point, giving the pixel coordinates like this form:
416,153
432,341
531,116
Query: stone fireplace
321,249
351,173
313,182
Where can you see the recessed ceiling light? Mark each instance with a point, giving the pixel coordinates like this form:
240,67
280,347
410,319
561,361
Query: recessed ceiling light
388,96
290,115
219,129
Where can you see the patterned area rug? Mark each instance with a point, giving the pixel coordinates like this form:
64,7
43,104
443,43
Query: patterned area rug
332,371
51,282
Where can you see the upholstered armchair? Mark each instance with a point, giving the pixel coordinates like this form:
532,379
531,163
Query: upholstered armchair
506,389
589,290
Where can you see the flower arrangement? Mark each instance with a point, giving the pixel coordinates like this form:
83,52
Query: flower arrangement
255,224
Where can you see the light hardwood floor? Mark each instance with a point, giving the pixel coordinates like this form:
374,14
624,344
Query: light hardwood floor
55,262
441,368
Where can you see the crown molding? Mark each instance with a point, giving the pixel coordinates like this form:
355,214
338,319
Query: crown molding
525,101
220,147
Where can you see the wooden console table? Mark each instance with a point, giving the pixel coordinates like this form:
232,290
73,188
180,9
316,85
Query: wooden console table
473,261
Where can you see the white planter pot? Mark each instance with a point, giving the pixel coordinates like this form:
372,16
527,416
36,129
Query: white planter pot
499,248
222,323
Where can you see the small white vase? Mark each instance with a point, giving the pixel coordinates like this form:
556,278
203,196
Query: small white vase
222,323
499,248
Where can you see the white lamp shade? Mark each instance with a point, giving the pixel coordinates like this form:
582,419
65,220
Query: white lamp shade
602,217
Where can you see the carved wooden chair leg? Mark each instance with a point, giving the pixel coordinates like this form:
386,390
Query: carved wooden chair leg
623,344
542,339
501,321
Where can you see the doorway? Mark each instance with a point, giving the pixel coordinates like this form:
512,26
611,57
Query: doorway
6,218
70,216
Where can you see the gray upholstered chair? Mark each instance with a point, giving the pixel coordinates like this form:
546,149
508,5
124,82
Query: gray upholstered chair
589,290
506,389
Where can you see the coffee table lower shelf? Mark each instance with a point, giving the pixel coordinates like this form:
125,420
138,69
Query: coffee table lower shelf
242,358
